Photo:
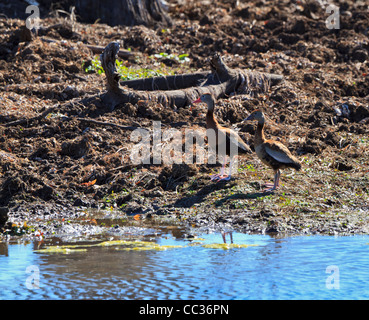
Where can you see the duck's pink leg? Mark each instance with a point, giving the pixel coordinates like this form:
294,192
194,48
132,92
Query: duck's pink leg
278,175
276,183
222,176
217,176
224,236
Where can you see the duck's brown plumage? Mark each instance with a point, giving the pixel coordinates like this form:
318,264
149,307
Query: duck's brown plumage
226,141
272,153
225,135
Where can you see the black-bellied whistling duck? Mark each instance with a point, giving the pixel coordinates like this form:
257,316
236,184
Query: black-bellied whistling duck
272,153
226,142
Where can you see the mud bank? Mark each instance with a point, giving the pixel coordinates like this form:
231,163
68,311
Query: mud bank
56,166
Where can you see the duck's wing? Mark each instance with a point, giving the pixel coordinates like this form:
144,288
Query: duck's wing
233,137
279,151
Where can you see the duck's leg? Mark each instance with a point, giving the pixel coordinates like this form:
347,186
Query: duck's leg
219,175
224,236
222,176
276,183
278,175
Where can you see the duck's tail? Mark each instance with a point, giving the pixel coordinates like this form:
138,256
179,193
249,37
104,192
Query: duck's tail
296,165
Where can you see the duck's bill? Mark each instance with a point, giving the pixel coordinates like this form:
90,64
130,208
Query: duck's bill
197,101
250,117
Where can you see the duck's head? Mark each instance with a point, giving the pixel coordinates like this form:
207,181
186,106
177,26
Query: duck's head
208,99
257,115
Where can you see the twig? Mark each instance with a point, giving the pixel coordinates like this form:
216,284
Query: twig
23,121
107,124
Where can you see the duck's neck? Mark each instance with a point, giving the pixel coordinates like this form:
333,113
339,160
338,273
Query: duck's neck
211,122
259,134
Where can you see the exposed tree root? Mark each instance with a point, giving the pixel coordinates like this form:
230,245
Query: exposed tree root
180,90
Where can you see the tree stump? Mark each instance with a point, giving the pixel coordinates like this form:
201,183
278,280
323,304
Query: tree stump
124,12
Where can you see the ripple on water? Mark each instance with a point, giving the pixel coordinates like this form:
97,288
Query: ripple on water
289,268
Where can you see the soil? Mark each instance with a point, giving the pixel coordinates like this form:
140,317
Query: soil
56,169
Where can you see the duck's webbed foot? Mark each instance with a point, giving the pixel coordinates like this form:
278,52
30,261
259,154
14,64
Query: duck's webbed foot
221,177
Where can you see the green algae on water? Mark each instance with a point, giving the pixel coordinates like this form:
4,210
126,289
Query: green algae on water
57,249
154,247
227,246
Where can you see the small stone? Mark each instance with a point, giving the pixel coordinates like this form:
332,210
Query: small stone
80,203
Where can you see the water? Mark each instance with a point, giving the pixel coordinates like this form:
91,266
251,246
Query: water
306,267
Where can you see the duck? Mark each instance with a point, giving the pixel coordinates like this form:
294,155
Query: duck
225,141
272,153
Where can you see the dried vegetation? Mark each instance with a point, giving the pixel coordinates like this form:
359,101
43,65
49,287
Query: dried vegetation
55,164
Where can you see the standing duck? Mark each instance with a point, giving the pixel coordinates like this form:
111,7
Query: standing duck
272,153
225,141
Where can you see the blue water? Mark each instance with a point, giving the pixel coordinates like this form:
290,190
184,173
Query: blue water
305,267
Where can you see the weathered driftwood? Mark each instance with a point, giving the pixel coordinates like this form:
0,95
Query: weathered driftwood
167,83
181,90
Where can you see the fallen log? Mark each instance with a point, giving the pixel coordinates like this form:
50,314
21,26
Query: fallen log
167,83
180,90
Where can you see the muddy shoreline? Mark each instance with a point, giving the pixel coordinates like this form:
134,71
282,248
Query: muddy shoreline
56,170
